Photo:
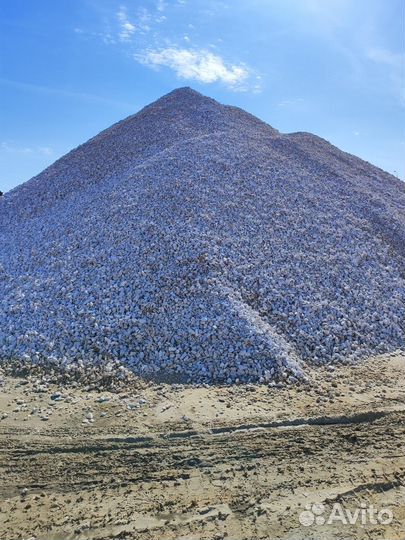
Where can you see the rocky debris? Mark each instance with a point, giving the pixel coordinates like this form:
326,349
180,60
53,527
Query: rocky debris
104,376
89,418
193,243
102,399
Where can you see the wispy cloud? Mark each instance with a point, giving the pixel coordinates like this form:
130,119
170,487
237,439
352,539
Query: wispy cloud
356,33
329,15
126,27
290,102
161,5
142,21
384,56
45,150
393,64
47,90
200,65
12,148
106,36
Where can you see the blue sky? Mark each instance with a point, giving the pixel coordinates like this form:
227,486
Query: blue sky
71,68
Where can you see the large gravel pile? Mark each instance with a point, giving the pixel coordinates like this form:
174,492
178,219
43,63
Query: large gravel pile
193,242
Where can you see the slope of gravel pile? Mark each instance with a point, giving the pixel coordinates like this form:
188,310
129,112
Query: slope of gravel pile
194,242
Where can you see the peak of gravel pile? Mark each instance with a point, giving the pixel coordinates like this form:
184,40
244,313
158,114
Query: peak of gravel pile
193,242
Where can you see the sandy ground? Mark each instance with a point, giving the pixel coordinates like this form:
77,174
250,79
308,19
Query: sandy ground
171,462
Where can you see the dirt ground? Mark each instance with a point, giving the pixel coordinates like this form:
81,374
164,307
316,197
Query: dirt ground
173,462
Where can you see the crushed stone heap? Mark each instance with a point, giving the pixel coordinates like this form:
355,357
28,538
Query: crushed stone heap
193,242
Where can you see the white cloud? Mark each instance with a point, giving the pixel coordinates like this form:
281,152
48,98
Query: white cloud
199,65
151,46
126,27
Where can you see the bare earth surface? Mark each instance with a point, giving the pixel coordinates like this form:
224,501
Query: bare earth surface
164,462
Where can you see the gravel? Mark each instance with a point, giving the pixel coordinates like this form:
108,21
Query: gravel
194,243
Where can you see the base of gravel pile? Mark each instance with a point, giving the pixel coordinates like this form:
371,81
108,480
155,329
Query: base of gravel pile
111,376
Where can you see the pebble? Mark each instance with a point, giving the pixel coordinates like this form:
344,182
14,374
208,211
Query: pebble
103,399
132,406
